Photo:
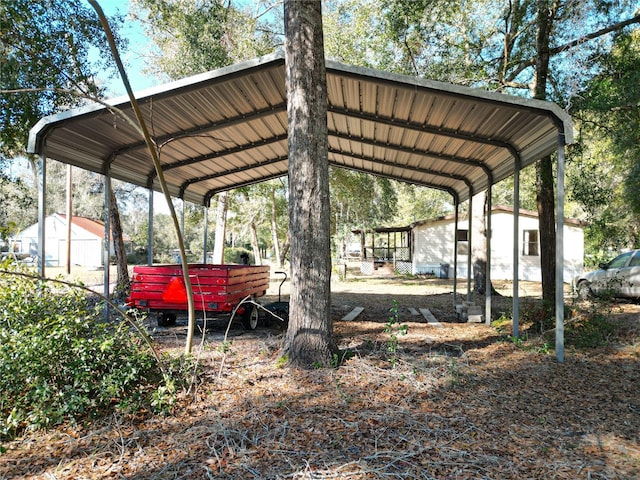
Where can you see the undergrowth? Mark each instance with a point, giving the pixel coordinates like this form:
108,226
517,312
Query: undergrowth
586,325
60,361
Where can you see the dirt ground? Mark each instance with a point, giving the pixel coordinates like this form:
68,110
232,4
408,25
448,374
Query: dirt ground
455,401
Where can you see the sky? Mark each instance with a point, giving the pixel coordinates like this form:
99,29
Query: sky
134,65
132,58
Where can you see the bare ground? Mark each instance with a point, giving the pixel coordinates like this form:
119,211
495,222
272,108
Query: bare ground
461,402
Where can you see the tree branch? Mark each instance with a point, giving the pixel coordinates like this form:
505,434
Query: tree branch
611,28
574,43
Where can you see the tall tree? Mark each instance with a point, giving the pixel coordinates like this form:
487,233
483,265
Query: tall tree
546,12
309,338
607,183
46,63
536,46
194,37
47,66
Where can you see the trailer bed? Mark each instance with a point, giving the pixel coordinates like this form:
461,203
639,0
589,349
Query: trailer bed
216,288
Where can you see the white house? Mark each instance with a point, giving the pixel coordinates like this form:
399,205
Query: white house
433,244
87,240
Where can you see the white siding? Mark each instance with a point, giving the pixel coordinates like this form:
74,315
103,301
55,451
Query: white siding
434,244
86,248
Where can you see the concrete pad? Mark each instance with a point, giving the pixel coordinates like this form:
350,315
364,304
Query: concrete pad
413,311
353,314
428,316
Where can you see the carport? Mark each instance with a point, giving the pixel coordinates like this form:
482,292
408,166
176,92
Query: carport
228,128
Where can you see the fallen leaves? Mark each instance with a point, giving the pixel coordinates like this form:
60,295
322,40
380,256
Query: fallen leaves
458,404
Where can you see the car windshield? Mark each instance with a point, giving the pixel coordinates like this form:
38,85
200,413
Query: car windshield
620,261
635,261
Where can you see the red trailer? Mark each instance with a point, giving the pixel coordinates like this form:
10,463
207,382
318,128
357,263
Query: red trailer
216,289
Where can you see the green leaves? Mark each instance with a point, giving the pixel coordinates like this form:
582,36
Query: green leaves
59,361
46,47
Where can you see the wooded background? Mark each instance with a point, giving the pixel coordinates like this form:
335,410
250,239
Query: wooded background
583,55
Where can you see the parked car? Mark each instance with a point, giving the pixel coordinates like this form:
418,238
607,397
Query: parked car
618,278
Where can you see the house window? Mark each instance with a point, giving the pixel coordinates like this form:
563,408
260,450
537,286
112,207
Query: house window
462,238
530,243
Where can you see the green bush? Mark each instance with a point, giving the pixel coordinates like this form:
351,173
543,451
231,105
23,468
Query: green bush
61,362
234,255
590,327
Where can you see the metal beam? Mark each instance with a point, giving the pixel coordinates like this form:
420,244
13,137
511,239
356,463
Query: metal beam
221,153
455,250
204,178
560,251
516,249
212,192
469,243
205,211
42,213
448,190
488,234
203,129
413,151
150,230
107,240
420,127
428,171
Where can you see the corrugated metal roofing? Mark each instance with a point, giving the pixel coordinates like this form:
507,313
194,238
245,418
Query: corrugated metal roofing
228,128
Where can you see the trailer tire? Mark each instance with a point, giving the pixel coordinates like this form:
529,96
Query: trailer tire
166,319
250,317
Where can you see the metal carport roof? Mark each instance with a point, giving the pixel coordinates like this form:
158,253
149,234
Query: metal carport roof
228,128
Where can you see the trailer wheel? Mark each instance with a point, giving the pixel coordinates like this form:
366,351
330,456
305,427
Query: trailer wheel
250,318
166,319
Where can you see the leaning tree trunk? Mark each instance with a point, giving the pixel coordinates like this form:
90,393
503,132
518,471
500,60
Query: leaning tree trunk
309,339
544,168
122,285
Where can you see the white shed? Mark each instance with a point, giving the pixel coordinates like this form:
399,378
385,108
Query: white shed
433,243
87,240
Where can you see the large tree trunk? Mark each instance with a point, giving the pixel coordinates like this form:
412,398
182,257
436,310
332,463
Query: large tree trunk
309,339
221,228
544,169
122,285
547,225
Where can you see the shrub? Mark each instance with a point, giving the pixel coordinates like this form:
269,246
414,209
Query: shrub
235,254
538,315
589,327
60,362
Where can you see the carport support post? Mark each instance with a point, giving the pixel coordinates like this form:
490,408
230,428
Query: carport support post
469,245
516,251
182,218
487,288
560,251
204,240
455,250
42,212
150,230
107,238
